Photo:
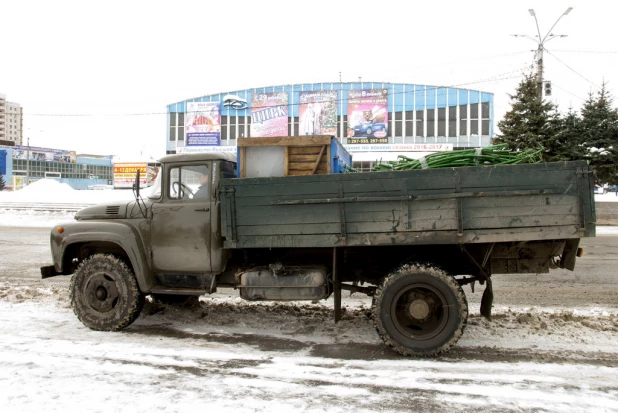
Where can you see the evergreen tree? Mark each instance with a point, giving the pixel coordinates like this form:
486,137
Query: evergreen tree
566,144
599,129
2,183
531,122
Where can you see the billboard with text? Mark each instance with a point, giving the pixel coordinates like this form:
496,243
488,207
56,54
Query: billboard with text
269,114
203,124
367,116
43,154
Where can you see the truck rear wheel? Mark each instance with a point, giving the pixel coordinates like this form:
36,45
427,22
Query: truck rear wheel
420,311
104,293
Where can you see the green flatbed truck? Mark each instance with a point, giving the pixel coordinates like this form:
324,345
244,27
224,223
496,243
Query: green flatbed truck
409,239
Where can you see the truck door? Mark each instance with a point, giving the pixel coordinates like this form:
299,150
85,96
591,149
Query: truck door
181,223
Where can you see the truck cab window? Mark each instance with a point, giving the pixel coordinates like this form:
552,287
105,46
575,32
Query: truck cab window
189,182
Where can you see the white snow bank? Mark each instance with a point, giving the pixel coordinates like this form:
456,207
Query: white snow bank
49,191
607,197
45,186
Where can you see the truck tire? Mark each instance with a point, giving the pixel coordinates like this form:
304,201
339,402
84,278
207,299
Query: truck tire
104,293
420,311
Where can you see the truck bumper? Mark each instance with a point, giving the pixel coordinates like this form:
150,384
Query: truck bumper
48,272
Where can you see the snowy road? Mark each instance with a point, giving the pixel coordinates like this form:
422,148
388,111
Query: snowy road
550,347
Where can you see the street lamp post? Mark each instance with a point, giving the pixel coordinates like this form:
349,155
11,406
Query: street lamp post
540,41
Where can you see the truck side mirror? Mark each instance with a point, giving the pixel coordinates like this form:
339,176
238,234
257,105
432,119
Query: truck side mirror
136,184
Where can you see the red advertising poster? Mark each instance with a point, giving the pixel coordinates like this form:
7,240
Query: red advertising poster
367,116
317,113
269,114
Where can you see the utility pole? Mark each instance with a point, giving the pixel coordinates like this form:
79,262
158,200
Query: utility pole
540,41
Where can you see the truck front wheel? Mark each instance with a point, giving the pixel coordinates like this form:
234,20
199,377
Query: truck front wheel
104,293
420,311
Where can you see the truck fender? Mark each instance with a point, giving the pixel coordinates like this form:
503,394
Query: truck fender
124,236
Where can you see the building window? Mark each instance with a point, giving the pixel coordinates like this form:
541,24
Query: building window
181,127
485,118
452,121
442,122
224,128
420,123
242,129
430,123
409,121
173,126
463,120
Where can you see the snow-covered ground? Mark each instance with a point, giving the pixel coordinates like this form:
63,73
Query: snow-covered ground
227,355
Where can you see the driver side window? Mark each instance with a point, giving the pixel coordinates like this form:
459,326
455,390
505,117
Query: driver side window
189,182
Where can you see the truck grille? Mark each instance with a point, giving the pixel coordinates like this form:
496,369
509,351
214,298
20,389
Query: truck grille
112,210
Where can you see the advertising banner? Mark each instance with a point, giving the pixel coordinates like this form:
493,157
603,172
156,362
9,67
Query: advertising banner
269,114
317,112
203,124
367,116
124,174
402,147
2,162
44,154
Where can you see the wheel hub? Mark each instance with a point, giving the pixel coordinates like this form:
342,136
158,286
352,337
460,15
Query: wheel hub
100,293
419,309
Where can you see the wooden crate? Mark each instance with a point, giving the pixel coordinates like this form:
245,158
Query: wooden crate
288,156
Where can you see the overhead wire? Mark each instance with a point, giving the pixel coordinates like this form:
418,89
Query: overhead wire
499,77
573,70
585,51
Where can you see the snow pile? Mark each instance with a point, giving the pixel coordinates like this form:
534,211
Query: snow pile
607,197
50,191
47,186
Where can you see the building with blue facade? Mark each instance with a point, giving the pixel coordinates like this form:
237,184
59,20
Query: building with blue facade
23,164
373,120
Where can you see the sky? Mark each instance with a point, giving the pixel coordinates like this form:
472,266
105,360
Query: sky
96,77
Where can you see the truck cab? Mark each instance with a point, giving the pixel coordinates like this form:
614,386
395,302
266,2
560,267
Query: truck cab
168,236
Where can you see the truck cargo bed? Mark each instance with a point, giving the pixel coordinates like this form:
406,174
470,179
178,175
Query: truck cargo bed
433,206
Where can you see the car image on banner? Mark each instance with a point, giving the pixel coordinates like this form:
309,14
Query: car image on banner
370,129
367,116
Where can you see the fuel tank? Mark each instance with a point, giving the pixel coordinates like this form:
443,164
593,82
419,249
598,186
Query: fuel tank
287,284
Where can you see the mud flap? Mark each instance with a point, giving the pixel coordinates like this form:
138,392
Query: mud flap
337,266
487,300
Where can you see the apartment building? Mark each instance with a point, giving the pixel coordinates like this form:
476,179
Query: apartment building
11,121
